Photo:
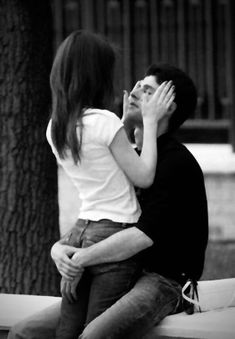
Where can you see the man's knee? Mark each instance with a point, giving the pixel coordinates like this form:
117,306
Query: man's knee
17,332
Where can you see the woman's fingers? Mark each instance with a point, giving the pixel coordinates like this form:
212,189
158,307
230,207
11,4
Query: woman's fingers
125,104
165,90
68,292
159,91
169,95
65,289
170,101
73,291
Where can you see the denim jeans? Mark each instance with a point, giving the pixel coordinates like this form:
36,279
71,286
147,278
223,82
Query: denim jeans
101,285
132,317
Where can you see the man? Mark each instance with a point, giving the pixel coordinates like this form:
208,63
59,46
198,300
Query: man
171,236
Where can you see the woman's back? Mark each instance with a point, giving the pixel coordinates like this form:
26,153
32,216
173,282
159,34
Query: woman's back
104,189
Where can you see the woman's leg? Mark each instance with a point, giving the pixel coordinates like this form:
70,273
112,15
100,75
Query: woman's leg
105,285
110,281
73,315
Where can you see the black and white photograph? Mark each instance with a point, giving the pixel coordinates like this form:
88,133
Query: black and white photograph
117,169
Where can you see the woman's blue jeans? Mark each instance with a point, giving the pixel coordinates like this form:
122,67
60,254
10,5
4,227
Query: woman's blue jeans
101,285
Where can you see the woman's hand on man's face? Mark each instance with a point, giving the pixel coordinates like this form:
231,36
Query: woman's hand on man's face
157,104
62,256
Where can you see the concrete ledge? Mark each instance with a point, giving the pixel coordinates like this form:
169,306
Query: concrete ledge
16,307
217,321
214,158
216,324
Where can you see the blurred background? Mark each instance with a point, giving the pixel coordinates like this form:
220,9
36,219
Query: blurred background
195,35
36,205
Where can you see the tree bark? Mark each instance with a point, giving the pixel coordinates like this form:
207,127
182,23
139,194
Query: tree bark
29,222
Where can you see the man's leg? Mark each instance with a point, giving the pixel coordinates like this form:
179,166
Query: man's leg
39,326
149,301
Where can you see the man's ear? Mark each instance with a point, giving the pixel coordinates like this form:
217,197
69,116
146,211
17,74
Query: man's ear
172,108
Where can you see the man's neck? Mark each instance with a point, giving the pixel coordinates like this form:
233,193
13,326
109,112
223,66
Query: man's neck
162,128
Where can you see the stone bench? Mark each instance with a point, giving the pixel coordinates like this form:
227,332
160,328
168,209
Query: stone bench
217,320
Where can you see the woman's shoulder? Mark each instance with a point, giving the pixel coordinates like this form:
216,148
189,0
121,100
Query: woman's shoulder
99,116
101,124
99,112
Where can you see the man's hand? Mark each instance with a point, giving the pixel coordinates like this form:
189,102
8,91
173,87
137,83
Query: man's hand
68,287
62,254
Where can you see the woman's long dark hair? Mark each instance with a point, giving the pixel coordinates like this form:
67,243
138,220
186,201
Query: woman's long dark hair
81,77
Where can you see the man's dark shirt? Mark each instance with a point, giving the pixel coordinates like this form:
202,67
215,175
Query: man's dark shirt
174,214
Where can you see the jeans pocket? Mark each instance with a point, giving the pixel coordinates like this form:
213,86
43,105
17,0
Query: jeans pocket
74,237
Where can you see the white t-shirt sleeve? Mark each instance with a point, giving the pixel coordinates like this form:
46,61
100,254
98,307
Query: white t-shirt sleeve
108,124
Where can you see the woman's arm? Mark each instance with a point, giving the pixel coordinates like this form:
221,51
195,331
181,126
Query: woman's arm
141,169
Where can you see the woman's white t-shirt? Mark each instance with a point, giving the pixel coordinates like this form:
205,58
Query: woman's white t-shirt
104,189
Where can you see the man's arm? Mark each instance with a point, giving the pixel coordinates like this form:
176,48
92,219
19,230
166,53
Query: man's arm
119,246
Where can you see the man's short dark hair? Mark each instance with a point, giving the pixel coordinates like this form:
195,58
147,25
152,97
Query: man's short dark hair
185,91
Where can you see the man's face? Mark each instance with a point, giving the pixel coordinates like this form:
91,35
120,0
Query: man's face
148,85
133,115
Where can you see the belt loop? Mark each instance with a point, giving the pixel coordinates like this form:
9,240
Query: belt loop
87,222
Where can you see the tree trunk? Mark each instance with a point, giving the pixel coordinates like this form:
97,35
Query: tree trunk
29,222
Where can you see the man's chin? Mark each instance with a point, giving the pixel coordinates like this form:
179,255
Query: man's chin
133,109
134,116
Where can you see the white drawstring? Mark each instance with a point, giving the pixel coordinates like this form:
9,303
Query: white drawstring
190,299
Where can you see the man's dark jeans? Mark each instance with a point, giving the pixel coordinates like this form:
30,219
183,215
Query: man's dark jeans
133,316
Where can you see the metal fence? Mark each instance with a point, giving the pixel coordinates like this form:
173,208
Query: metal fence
195,35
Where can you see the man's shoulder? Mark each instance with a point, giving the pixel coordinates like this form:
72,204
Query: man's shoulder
176,156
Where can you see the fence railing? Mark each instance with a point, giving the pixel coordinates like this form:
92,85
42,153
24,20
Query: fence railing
195,35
